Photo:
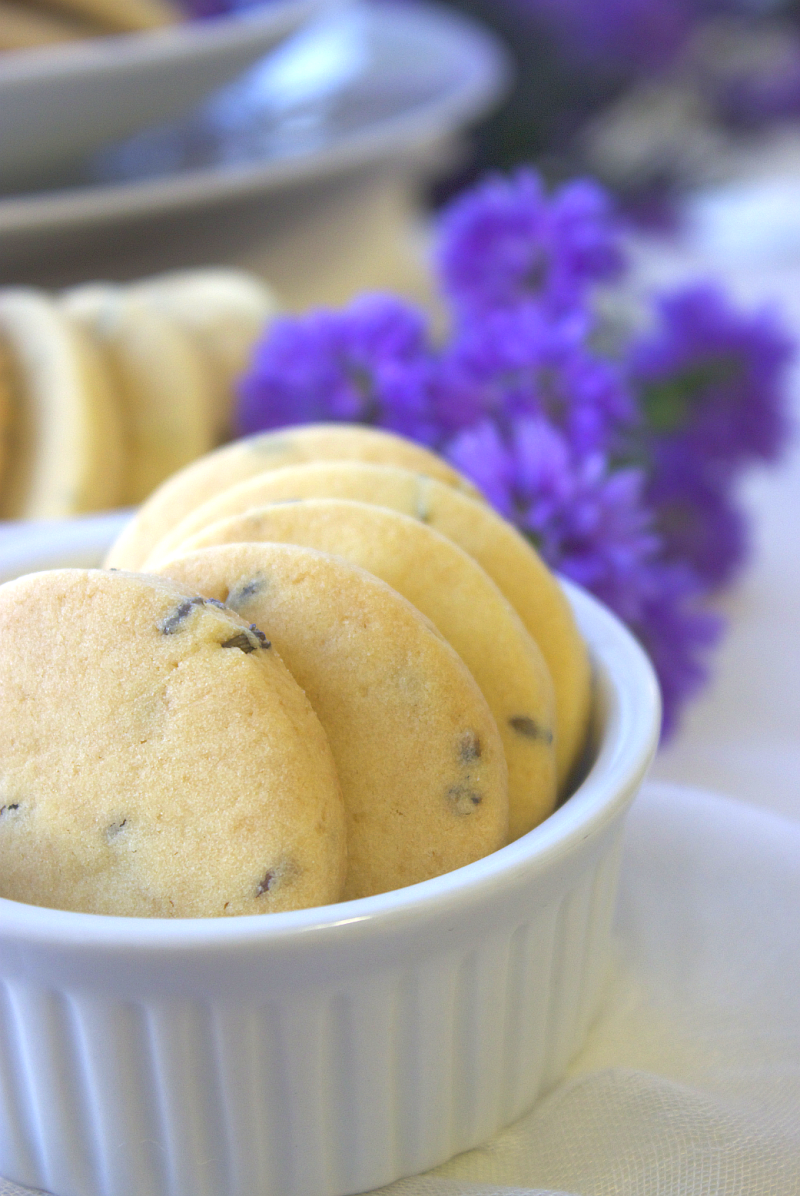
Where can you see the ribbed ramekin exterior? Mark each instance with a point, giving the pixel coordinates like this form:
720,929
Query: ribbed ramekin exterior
339,1087
325,1052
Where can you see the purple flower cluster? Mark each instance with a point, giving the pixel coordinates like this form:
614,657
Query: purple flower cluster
582,517
203,9
505,243
369,364
764,94
710,382
637,35
518,362
710,378
621,473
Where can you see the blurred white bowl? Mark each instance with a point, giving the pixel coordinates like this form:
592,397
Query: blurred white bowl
378,88
323,1051
58,102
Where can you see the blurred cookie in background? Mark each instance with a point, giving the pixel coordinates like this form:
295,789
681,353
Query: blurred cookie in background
161,387
107,389
25,25
222,312
65,451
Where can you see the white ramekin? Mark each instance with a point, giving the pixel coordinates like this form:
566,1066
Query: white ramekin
324,1051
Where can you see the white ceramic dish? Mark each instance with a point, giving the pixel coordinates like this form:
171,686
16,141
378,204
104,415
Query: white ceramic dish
375,85
323,1051
59,102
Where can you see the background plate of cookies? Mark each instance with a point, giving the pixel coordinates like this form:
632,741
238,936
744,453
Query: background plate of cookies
67,87
282,170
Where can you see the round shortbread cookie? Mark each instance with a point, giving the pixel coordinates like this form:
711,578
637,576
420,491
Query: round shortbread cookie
417,751
66,454
448,586
159,381
269,450
224,311
157,757
511,562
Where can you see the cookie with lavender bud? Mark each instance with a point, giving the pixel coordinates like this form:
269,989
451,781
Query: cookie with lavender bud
510,560
459,598
157,757
418,754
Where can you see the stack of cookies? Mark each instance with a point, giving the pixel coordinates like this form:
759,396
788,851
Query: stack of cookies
106,390
316,667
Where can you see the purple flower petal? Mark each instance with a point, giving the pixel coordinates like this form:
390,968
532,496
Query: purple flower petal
505,242
370,363
712,378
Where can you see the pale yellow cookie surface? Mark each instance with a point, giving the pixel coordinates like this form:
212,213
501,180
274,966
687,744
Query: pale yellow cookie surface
22,27
66,452
224,311
455,593
157,757
513,565
158,379
270,450
122,16
417,751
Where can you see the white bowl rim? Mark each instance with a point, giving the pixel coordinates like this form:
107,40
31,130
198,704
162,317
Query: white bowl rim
633,720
